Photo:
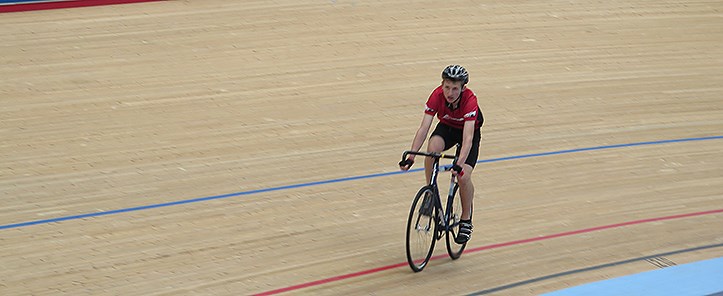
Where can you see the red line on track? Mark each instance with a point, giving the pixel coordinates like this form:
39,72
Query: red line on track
64,4
488,247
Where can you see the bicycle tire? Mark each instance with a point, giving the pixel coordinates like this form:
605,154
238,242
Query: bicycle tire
421,229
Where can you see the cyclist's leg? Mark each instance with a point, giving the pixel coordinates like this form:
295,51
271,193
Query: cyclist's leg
466,195
466,190
436,144
466,187
439,141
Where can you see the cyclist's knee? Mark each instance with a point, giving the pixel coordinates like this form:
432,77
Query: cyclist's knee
436,144
467,176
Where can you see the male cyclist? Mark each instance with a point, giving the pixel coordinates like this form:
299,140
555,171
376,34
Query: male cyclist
460,120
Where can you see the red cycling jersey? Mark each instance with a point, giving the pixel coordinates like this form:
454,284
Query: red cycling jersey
468,109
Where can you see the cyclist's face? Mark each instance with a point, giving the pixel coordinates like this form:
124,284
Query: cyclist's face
452,89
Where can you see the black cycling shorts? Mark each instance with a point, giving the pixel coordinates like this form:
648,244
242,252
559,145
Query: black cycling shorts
453,136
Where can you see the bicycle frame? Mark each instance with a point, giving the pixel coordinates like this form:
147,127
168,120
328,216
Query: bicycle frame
444,212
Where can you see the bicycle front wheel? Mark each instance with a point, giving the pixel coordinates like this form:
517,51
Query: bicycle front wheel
454,214
421,229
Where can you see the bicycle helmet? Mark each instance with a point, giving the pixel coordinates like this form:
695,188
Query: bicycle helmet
456,73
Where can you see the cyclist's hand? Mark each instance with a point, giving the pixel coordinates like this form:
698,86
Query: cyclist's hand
457,170
406,164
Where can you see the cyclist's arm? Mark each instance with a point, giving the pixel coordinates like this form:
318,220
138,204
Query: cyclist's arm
422,133
467,137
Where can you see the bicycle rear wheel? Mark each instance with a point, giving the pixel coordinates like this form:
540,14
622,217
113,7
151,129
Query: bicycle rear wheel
454,214
421,229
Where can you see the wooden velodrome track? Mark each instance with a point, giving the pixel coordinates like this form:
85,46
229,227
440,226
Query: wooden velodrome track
115,120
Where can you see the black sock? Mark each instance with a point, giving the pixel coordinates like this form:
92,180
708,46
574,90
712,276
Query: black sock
466,221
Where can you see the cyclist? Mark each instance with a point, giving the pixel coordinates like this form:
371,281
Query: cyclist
460,120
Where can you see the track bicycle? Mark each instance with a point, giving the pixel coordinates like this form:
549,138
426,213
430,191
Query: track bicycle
429,221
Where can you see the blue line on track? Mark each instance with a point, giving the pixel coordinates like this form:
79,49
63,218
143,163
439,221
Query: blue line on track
301,185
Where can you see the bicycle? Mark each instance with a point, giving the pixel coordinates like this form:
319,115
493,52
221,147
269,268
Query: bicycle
428,221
